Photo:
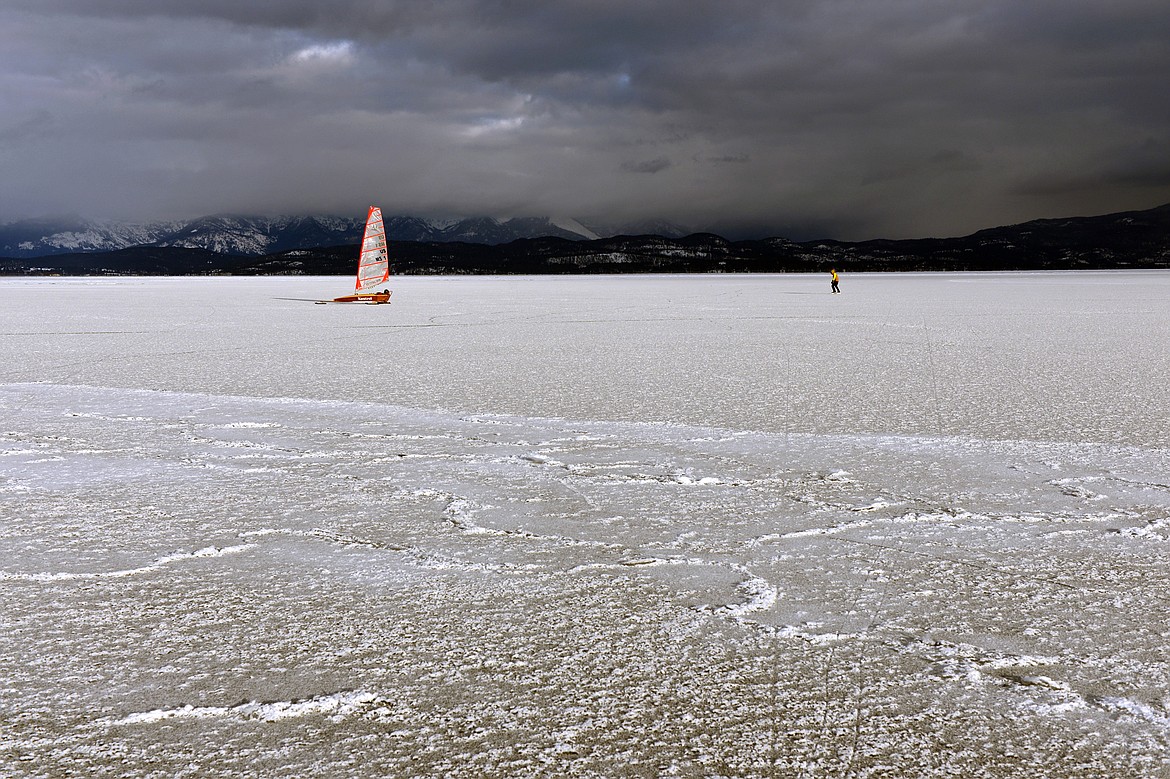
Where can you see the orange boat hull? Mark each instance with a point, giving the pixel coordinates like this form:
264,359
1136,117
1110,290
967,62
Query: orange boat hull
373,298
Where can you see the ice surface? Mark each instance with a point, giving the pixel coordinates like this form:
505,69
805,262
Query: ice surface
693,526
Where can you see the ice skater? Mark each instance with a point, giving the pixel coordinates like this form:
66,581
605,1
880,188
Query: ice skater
836,289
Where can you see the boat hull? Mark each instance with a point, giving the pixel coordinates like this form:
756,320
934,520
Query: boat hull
373,298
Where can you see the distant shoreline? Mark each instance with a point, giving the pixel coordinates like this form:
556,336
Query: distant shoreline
1122,241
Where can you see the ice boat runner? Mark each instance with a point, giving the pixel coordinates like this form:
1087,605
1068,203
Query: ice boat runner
373,264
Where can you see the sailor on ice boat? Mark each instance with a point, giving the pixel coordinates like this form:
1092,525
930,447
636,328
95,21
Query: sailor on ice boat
373,264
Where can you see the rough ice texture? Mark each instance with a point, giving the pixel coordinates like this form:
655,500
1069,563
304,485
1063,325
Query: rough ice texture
693,526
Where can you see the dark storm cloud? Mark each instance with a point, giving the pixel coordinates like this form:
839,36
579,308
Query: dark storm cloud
647,166
850,119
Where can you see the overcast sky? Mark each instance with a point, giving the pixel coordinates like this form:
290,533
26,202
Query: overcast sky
809,118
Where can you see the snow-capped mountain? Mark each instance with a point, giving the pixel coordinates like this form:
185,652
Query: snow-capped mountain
260,235
39,237
254,236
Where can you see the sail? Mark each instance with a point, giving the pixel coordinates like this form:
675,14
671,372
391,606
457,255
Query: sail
374,262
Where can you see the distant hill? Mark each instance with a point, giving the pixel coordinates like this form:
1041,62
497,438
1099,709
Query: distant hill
1133,239
257,236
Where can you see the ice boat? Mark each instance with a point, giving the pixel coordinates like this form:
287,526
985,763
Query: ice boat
373,264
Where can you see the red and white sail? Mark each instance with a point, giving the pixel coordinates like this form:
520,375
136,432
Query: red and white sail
374,261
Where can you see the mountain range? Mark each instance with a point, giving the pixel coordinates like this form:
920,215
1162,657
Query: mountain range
1132,239
256,235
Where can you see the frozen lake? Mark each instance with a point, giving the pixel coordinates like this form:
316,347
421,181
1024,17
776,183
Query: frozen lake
586,526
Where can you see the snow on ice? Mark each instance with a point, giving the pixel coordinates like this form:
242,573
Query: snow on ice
678,526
